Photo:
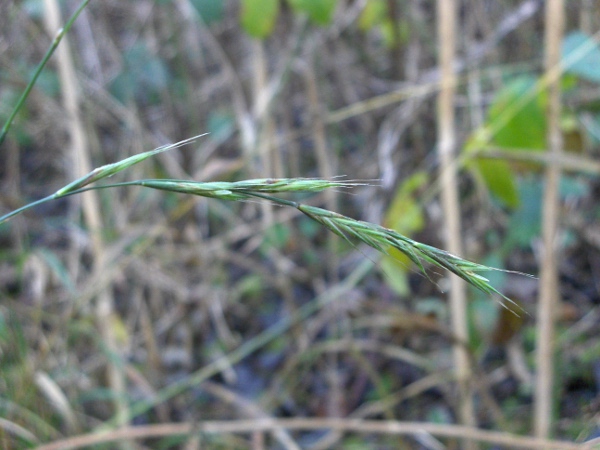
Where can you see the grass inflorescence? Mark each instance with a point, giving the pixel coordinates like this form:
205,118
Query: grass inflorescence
376,236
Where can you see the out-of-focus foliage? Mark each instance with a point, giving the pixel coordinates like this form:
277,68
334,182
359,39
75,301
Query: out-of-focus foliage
250,293
516,120
210,10
581,55
376,16
143,77
259,16
319,11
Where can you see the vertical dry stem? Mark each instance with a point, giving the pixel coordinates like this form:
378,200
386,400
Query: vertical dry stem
264,141
89,200
324,162
548,295
335,401
446,10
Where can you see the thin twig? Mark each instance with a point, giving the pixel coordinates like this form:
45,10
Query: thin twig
449,195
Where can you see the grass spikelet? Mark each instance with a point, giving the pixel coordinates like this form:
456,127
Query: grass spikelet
279,185
99,173
376,236
109,170
381,238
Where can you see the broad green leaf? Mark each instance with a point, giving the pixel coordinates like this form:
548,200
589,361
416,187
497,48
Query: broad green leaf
258,17
516,120
581,55
495,175
319,11
405,214
515,124
499,179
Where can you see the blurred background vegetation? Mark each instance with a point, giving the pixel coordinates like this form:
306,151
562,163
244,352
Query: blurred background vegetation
142,307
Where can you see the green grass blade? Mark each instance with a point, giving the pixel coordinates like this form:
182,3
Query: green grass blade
5,217
40,67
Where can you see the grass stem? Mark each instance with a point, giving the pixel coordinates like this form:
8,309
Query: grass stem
59,35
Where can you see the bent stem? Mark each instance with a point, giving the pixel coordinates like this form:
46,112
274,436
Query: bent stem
376,236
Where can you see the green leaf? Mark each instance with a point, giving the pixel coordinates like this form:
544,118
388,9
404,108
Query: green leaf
516,120
499,180
319,11
517,125
581,55
258,17
405,214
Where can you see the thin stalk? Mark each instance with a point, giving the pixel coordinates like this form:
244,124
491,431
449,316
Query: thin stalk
16,212
549,288
59,35
449,196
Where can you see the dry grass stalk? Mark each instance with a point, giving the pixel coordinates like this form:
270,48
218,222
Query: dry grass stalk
548,295
449,196
81,162
397,428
